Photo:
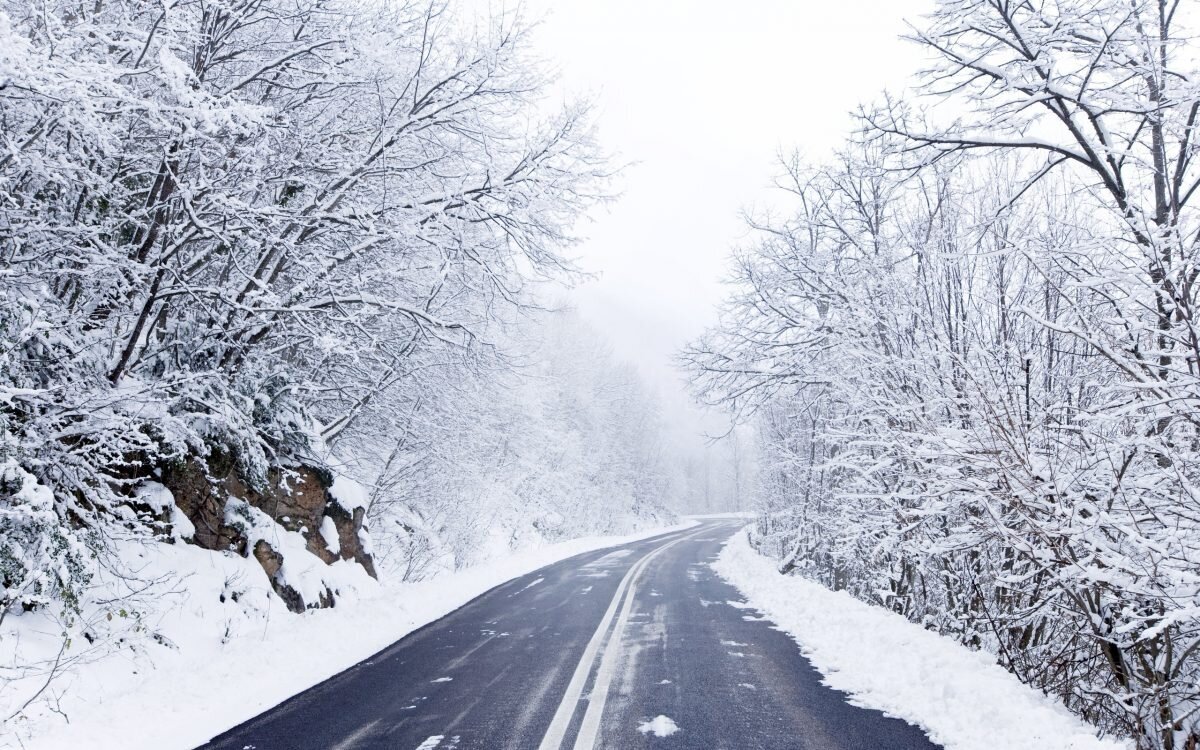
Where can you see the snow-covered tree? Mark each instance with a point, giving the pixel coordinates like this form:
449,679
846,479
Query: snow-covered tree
554,440
970,355
225,223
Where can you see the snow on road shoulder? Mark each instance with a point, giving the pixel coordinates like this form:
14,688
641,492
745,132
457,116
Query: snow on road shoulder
961,698
210,679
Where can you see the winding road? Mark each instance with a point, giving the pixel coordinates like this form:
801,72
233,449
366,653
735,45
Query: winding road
638,646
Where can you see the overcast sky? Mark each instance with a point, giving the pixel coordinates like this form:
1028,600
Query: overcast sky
703,95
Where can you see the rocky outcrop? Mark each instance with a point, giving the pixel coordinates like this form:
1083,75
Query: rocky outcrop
298,499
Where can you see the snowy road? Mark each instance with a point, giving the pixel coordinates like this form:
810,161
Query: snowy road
640,646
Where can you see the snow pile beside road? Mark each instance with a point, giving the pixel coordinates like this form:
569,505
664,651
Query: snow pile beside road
223,664
961,698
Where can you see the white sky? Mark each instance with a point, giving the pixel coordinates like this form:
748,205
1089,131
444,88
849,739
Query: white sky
703,95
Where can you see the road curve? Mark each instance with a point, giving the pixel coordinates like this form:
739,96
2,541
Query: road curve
638,646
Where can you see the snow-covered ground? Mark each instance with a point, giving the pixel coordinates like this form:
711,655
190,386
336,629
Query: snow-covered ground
223,662
961,698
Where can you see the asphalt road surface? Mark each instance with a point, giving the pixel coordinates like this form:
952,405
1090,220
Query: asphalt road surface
640,646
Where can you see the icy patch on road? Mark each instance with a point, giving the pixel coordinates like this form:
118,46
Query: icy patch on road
612,558
351,740
961,698
659,726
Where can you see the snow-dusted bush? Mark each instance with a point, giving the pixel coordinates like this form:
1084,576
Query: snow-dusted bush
42,559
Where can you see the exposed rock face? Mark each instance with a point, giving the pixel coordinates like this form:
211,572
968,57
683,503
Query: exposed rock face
298,499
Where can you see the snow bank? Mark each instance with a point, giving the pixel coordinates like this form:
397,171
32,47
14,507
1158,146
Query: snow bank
961,698
224,662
